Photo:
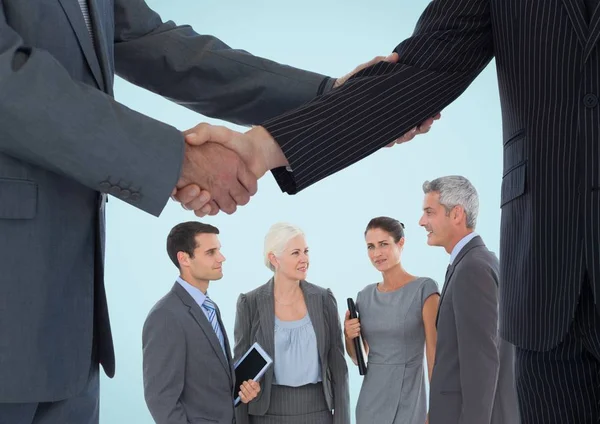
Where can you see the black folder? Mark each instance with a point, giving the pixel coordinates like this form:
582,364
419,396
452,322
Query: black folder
358,346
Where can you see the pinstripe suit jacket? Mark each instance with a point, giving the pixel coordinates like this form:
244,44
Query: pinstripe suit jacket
255,322
548,67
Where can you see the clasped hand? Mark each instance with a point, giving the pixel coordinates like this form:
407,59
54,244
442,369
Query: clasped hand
221,167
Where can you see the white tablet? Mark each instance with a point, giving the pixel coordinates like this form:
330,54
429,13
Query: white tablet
251,366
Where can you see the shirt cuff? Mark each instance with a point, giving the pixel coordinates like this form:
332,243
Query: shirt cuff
326,86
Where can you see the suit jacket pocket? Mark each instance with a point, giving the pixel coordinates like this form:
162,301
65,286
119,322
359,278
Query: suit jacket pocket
514,150
513,183
18,199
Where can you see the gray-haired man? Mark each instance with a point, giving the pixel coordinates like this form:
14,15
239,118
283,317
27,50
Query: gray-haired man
473,375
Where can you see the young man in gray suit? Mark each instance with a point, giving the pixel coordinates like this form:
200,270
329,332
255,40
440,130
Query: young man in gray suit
473,374
188,371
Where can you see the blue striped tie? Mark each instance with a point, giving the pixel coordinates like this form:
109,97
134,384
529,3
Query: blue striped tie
211,308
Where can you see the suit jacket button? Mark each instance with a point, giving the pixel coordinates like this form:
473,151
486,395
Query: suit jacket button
115,191
125,194
590,101
104,186
135,196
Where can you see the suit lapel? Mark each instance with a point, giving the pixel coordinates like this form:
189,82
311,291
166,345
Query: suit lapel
75,16
449,273
202,321
100,42
594,33
266,312
577,14
314,305
227,348
475,242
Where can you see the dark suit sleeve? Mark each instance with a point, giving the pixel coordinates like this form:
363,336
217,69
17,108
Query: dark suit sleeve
337,363
203,73
52,121
451,45
475,302
164,353
241,333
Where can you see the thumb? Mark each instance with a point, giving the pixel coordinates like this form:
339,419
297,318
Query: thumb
197,135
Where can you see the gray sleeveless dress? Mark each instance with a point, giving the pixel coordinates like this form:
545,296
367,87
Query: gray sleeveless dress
393,390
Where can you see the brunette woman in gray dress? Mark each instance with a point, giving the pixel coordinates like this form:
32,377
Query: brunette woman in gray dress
397,320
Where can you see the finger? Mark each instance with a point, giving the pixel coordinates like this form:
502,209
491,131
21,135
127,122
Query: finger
373,61
214,208
186,194
199,202
190,193
226,204
248,180
245,389
251,388
347,315
240,197
392,57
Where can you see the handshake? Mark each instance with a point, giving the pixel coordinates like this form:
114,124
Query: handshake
221,167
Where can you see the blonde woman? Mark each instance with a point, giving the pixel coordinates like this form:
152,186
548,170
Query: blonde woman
297,323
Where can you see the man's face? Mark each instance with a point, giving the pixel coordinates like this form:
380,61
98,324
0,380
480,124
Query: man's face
206,265
436,221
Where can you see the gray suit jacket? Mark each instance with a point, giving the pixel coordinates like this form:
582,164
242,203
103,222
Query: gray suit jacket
473,375
255,322
187,377
64,140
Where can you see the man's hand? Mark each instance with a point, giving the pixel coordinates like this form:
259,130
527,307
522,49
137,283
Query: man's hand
421,129
249,390
259,151
216,169
392,58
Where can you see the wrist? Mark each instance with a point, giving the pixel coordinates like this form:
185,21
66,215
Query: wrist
267,148
185,167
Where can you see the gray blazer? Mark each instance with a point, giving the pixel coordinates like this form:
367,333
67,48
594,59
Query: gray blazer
473,374
187,377
64,140
255,322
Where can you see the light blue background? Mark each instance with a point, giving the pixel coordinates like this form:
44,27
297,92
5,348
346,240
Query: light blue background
330,37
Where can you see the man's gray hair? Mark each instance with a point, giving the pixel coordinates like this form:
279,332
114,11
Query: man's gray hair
456,190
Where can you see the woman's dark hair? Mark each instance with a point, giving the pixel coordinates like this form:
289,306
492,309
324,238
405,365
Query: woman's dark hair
390,225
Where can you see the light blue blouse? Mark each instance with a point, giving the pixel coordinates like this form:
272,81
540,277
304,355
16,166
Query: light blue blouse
296,361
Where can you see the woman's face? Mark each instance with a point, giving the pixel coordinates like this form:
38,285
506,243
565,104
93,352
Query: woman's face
384,253
293,261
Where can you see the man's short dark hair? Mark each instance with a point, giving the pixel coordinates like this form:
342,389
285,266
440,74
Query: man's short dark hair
182,238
